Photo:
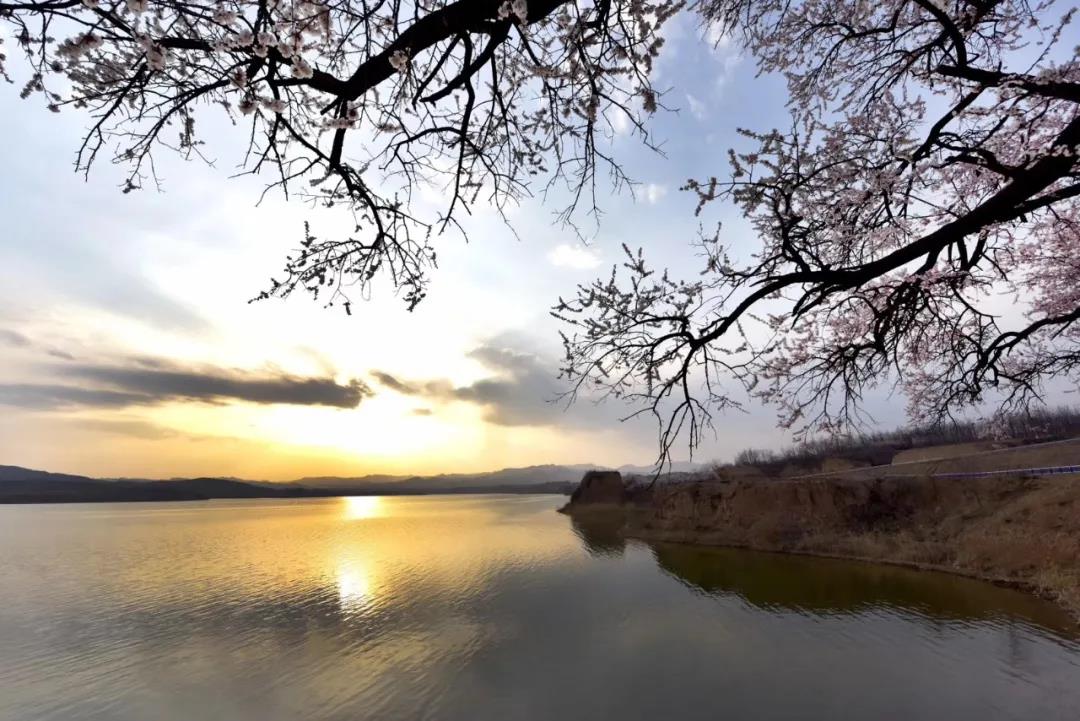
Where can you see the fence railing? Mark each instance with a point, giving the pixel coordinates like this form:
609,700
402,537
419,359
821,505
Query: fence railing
1050,471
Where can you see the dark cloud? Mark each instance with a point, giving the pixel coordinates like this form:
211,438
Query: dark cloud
16,340
523,390
167,383
391,382
61,354
434,389
47,397
151,382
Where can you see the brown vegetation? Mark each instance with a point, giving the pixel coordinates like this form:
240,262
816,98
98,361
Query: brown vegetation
915,444
1059,453
1012,530
951,450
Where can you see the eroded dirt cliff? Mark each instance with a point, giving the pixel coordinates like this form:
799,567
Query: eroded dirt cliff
1019,531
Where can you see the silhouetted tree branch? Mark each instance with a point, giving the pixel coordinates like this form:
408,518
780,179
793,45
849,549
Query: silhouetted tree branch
930,171
480,97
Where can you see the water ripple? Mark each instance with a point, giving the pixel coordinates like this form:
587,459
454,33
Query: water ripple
486,608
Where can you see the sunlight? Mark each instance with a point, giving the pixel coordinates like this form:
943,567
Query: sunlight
358,508
354,587
384,427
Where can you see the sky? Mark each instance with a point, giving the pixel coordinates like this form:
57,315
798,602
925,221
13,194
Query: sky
128,346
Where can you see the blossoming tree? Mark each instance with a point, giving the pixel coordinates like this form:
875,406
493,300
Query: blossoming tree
354,102
919,224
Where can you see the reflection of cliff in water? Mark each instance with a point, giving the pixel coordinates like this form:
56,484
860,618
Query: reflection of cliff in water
601,534
775,581
779,582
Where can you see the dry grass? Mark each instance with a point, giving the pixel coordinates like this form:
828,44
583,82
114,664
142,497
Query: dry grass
1064,453
937,453
1011,530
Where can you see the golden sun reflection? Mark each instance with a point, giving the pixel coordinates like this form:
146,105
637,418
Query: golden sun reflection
358,508
354,587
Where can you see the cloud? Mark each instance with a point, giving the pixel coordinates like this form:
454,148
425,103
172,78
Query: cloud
697,108
393,383
566,255
48,397
523,390
151,382
718,37
422,412
619,121
435,388
13,339
726,52
654,193
728,63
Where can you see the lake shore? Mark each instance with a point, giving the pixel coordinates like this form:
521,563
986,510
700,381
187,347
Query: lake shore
1012,531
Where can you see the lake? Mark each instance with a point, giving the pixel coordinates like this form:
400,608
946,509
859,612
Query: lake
487,607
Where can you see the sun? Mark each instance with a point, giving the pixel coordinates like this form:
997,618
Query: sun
358,508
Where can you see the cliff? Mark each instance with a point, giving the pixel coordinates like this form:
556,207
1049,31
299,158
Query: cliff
605,492
1017,531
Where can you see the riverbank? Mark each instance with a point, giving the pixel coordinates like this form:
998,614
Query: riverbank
1020,532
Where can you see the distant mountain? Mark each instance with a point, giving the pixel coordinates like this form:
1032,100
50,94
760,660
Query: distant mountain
15,473
228,488
507,477
25,485
346,481
532,475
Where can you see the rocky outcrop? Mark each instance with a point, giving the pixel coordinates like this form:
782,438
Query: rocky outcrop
601,491
1017,531
603,488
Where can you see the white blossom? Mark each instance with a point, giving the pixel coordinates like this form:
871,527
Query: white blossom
157,58
520,8
80,45
275,105
302,69
399,61
225,17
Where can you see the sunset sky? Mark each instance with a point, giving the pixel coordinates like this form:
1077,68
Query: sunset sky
128,348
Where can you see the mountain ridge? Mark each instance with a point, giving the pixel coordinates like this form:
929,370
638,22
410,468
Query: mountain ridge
27,485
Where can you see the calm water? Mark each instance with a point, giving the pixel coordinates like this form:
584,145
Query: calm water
492,607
